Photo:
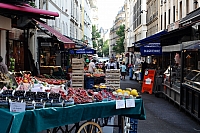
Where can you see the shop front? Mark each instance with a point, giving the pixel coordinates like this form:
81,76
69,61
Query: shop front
150,51
17,39
182,83
53,49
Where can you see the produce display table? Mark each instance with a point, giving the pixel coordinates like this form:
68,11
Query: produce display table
33,121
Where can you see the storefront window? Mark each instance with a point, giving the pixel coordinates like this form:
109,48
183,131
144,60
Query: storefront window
192,62
15,53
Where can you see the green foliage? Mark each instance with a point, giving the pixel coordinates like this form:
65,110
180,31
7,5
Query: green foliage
105,48
95,36
31,3
119,47
100,42
100,54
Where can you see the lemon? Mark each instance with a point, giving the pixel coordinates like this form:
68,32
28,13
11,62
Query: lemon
134,92
119,90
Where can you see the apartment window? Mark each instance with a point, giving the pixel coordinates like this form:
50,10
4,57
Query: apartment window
169,16
187,6
180,10
161,22
174,13
165,20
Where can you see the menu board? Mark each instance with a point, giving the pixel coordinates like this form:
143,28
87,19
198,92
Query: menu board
148,81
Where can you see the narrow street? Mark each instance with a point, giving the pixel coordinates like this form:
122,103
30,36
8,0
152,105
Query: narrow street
162,116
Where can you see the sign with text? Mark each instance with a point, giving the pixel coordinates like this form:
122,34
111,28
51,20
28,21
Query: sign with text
82,51
130,103
17,107
148,81
120,104
151,49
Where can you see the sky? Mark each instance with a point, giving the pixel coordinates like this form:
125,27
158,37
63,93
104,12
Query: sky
107,11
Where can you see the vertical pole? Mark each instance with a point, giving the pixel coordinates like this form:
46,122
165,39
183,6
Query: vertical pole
170,64
182,74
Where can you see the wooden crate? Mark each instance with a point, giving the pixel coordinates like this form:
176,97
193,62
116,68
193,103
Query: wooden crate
77,75
77,85
76,60
78,66
113,71
77,71
77,81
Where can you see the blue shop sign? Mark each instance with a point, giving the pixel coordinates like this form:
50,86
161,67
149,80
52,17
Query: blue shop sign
82,51
151,49
71,51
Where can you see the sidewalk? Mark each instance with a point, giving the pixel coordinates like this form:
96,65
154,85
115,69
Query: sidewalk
162,116
127,83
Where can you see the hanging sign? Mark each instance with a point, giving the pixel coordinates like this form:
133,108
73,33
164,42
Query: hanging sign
82,51
148,81
151,49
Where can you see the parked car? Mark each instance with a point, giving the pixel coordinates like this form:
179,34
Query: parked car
102,59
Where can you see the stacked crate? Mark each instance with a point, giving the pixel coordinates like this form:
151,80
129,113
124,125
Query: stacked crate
113,77
77,76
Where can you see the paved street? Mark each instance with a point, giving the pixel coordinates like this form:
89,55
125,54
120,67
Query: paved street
162,116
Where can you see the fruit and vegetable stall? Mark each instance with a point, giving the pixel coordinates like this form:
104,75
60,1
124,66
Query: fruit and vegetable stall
33,104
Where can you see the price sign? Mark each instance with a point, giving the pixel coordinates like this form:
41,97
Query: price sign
148,81
130,103
120,104
17,107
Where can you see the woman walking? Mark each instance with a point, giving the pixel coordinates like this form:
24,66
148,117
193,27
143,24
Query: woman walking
123,70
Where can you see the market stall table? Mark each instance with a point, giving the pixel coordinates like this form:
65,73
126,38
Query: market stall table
33,121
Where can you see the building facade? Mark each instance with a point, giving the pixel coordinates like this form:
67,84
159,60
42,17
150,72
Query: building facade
119,20
152,17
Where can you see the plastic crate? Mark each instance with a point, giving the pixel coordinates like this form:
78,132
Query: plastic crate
134,123
89,82
89,85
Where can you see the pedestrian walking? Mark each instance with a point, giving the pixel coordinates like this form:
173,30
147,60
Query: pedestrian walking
112,64
106,64
92,67
123,71
3,66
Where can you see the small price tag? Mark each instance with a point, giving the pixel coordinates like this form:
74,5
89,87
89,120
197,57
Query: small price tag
17,107
120,104
130,103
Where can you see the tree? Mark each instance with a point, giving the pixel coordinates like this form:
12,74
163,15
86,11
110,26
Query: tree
95,36
119,47
105,48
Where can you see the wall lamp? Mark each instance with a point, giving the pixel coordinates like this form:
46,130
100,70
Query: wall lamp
143,11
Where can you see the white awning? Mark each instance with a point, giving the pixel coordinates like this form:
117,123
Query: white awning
172,48
178,47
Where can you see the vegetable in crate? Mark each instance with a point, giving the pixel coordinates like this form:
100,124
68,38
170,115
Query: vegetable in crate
12,64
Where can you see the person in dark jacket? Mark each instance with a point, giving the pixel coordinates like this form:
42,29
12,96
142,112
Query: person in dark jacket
3,66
